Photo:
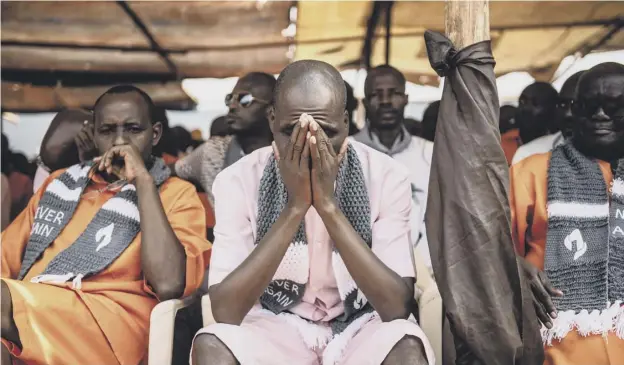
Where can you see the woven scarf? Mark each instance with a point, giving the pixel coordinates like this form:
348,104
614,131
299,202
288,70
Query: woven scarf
108,234
585,245
289,281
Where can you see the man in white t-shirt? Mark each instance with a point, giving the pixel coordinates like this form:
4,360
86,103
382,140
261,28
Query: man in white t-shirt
385,101
563,123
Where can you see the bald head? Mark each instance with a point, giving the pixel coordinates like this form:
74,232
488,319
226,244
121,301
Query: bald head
312,83
311,87
58,149
609,73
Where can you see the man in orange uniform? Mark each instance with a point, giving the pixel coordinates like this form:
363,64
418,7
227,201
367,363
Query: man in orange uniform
99,245
568,223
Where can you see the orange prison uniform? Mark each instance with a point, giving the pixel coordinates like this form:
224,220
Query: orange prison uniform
107,321
528,199
510,141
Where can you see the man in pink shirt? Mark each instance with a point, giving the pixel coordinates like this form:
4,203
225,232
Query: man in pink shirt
312,261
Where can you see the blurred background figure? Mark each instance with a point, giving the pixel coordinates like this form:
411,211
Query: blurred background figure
536,111
430,119
567,96
68,141
219,127
184,142
413,126
352,105
510,135
5,187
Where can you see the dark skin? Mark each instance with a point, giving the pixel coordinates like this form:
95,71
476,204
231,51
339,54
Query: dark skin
385,102
564,117
63,145
308,129
599,133
124,136
536,112
250,123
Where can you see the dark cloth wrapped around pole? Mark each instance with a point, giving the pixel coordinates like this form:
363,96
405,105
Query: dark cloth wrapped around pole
487,301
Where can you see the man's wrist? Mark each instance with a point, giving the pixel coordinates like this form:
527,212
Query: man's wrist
144,179
327,208
297,210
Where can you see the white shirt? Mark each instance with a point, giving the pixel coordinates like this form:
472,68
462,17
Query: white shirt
540,145
417,159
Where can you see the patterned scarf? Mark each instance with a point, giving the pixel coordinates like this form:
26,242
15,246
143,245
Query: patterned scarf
585,245
109,233
289,281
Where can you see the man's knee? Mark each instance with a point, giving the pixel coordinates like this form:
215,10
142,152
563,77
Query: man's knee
209,350
409,350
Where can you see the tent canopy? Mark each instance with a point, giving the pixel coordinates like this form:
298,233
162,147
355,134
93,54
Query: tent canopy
52,45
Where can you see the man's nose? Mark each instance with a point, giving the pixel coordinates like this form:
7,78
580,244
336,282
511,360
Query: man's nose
120,137
600,115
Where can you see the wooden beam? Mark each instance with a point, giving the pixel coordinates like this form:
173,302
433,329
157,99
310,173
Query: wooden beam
389,5
163,53
467,22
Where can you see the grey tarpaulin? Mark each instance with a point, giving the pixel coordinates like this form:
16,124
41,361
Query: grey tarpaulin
487,301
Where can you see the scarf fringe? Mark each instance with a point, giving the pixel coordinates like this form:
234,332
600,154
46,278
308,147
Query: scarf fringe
334,350
610,319
315,336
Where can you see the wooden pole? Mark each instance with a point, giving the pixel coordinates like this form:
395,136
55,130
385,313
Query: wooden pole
467,22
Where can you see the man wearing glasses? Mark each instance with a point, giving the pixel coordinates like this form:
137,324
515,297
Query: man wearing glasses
568,223
248,123
385,101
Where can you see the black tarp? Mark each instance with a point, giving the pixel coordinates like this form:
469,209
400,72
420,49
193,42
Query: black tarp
487,301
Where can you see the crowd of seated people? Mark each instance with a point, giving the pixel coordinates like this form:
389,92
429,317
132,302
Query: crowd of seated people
301,226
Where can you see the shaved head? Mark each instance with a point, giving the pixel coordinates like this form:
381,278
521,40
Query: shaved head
568,90
311,87
311,79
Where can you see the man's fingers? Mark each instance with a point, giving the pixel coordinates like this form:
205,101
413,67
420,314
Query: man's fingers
549,287
301,139
293,141
541,314
305,155
275,151
314,151
343,150
542,296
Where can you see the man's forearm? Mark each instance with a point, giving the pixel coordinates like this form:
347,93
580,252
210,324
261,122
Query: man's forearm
387,292
238,292
162,255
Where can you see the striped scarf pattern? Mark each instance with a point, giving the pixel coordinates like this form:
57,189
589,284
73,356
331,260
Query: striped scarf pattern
108,234
584,255
289,282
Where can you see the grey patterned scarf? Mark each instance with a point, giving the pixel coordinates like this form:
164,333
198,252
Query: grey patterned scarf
109,233
289,282
585,245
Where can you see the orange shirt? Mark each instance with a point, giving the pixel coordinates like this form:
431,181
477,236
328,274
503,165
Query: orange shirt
118,298
510,141
528,200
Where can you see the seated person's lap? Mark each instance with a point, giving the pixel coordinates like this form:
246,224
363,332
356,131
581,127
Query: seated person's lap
266,338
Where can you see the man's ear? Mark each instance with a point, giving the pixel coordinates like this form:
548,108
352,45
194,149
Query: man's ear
157,130
270,113
405,99
346,118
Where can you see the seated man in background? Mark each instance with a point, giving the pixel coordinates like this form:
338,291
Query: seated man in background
385,101
313,262
249,129
564,122
568,223
535,117
99,245
68,141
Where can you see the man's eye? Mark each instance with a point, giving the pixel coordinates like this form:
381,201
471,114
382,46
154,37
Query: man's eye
136,130
105,131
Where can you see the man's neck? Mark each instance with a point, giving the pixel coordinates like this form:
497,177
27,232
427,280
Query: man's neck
251,142
387,137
